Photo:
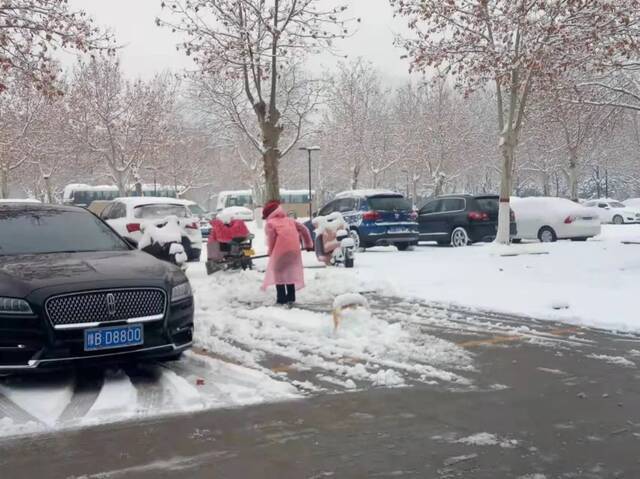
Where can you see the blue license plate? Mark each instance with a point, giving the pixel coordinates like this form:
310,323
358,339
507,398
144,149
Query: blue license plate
113,337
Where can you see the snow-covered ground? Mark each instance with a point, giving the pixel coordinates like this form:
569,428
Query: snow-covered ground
248,350
592,283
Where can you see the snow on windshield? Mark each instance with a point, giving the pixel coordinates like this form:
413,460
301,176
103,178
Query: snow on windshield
160,211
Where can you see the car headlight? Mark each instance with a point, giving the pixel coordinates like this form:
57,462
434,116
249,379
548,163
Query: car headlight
14,306
180,292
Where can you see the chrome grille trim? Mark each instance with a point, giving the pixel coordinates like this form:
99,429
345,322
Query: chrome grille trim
90,309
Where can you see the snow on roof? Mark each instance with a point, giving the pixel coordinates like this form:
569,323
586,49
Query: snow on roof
19,200
235,192
150,200
545,204
365,193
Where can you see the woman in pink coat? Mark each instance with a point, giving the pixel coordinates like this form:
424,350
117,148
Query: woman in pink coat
285,269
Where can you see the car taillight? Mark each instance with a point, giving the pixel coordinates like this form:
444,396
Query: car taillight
133,227
371,216
478,216
193,226
569,219
413,215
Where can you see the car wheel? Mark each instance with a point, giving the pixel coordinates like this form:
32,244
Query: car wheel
459,237
403,246
618,220
547,235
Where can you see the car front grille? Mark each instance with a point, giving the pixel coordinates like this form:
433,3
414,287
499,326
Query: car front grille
95,307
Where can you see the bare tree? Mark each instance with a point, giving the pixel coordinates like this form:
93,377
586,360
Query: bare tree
521,47
30,33
123,124
251,42
20,112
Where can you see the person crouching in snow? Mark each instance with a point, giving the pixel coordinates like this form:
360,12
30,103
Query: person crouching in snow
284,236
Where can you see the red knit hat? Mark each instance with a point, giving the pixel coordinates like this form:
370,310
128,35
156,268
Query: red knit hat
269,208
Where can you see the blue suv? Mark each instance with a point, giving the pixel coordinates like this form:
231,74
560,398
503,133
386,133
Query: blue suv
376,218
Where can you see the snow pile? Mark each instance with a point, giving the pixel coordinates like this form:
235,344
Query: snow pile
552,207
237,321
350,299
332,223
170,232
487,439
231,213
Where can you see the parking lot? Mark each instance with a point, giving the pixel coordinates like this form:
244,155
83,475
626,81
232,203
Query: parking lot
552,400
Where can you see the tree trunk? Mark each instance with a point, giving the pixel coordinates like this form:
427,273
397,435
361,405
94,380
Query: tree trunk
48,191
121,184
546,188
4,184
573,174
271,160
271,132
355,173
508,150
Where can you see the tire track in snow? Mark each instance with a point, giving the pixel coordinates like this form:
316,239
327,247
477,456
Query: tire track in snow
87,388
15,413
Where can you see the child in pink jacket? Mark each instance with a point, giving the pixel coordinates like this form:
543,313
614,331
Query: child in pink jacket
285,269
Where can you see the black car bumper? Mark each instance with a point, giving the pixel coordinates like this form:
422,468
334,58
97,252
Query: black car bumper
29,344
487,232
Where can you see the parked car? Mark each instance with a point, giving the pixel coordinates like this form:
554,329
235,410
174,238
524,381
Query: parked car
128,215
632,203
98,206
460,220
198,212
375,218
612,211
73,291
550,219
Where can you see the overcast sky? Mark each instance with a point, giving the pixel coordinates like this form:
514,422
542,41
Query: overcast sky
149,49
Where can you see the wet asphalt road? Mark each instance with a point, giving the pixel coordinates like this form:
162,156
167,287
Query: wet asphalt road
558,405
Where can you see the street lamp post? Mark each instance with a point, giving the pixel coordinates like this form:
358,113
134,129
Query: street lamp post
309,149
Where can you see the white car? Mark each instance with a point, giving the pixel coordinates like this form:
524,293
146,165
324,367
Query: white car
128,215
612,211
632,203
550,219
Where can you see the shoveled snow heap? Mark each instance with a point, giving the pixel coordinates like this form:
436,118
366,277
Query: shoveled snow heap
239,322
349,299
169,233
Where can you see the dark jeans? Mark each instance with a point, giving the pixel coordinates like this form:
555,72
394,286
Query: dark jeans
286,293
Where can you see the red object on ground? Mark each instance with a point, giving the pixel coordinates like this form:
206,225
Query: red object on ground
199,382
223,233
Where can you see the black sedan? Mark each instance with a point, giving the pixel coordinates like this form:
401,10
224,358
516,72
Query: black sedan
460,220
73,291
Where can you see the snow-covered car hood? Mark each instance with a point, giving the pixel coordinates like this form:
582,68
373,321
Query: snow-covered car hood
22,274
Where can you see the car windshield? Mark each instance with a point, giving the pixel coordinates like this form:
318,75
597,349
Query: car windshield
197,210
34,231
389,203
490,205
160,211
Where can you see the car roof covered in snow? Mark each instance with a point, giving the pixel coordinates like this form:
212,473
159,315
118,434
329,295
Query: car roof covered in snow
366,193
150,200
20,200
